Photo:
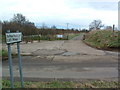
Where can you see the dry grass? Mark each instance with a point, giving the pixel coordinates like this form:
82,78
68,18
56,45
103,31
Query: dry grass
103,39
61,84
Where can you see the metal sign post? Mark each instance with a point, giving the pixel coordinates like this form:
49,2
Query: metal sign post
10,39
20,64
10,66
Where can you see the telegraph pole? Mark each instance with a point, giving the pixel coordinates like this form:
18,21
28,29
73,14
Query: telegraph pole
67,25
113,27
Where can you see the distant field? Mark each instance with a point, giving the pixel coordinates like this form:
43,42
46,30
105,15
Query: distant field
103,39
50,37
70,36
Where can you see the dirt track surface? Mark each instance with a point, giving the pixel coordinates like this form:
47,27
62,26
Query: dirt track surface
70,59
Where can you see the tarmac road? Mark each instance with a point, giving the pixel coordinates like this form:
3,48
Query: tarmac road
64,60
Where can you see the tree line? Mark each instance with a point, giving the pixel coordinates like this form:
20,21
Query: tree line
19,22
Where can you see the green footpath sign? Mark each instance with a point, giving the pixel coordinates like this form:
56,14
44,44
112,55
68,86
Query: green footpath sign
13,37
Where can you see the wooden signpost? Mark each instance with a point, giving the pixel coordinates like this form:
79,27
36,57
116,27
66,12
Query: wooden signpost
12,38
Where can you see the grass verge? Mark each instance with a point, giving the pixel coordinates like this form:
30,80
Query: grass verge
58,84
4,54
103,39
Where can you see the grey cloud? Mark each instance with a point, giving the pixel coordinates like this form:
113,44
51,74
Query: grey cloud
95,5
104,5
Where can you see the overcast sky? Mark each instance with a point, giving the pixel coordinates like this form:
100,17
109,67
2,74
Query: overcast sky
78,13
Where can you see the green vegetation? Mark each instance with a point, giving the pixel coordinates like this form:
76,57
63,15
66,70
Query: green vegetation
70,36
103,39
0,84
3,39
58,84
43,37
50,37
4,53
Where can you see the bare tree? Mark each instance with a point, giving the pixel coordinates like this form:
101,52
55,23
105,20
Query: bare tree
96,24
19,18
19,22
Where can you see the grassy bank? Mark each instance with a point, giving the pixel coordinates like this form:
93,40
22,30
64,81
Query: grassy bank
103,39
58,84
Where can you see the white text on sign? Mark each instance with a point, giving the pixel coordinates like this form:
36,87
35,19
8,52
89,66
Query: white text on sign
13,37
